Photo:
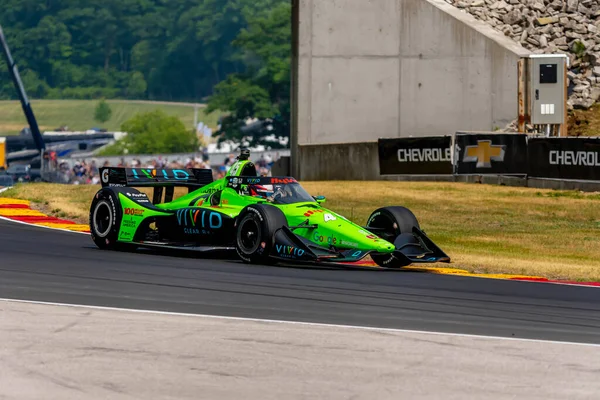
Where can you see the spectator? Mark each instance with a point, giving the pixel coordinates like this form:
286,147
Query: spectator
86,171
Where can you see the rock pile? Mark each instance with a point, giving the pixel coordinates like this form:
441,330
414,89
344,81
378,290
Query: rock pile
570,27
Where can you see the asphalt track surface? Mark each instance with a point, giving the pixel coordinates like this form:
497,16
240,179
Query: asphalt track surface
51,266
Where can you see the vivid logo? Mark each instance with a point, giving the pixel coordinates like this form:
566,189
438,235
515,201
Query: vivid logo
201,218
288,251
177,174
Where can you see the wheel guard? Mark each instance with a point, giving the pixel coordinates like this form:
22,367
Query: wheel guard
415,247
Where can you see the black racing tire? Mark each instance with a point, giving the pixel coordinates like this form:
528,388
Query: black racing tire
105,219
395,220
255,230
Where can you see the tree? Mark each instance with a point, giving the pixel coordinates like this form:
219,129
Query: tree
103,112
153,133
146,49
263,91
137,85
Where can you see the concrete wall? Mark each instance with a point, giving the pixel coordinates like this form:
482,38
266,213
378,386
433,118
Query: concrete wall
359,162
339,161
396,68
349,162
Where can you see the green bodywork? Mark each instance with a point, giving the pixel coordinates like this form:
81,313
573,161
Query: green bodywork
332,229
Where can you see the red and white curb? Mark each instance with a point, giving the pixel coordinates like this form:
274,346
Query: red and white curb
20,211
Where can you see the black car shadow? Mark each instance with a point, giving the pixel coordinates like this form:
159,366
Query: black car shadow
231,256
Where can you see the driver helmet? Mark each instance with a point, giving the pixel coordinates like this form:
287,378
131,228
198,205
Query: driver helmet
263,191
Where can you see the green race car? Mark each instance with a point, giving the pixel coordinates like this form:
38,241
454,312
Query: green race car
265,219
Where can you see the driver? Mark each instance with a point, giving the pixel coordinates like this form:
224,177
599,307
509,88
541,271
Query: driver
270,193
280,193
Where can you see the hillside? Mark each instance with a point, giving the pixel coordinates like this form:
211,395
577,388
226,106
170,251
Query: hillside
175,50
551,26
554,26
79,114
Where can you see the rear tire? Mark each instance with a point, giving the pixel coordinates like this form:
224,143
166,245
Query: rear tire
255,231
396,221
105,219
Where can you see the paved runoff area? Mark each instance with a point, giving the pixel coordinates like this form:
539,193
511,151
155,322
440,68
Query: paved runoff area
65,352
53,351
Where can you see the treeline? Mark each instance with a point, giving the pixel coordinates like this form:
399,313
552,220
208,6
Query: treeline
173,50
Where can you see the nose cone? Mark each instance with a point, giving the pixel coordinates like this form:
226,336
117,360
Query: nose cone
385,246
354,235
372,242
334,229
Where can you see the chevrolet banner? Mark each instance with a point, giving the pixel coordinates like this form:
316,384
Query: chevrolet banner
491,154
416,156
564,158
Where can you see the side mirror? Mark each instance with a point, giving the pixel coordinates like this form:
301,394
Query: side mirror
319,199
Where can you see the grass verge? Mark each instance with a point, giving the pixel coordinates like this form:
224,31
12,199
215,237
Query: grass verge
79,114
484,228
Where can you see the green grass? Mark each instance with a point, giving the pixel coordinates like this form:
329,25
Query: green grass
484,228
79,114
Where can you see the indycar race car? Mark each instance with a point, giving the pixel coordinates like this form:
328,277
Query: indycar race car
265,219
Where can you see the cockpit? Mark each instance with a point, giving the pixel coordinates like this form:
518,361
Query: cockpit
272,189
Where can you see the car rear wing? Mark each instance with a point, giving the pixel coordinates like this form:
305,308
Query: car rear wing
158,178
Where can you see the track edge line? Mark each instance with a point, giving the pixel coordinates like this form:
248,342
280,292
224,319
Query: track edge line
276,321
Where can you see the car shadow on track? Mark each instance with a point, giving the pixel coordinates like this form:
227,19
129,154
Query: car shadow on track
230,256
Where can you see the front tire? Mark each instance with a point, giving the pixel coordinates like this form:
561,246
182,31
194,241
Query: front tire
105,219
255,232
397,223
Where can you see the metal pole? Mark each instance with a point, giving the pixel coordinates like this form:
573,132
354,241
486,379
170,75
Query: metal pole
3,152
295,169
14,72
